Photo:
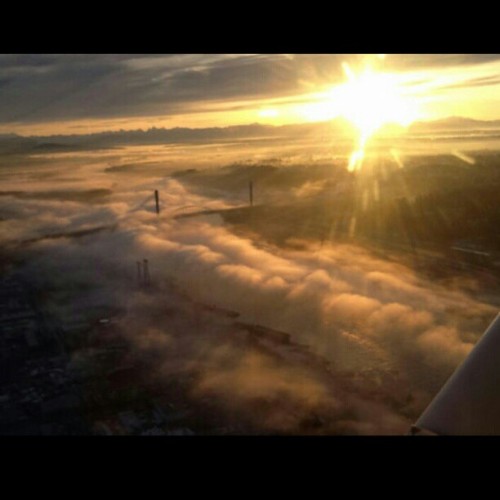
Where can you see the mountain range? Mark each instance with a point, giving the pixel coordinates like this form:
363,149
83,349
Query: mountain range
12,143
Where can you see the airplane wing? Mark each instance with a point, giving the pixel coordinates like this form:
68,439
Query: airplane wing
469,402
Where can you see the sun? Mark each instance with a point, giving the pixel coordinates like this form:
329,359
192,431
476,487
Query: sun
369,100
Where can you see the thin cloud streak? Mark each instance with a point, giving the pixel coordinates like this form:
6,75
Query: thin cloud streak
45,89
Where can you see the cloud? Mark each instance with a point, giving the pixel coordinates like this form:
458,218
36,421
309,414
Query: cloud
44,88
418,61
363,314
61,87
310,188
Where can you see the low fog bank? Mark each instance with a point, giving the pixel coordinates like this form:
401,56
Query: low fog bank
363,314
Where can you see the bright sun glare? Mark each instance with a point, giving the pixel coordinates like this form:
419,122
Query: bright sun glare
371,100
368,100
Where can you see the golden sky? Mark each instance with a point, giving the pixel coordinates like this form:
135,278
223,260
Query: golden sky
80,94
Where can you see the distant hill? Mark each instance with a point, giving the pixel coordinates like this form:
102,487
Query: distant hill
178,135
183,134
454,123
13,143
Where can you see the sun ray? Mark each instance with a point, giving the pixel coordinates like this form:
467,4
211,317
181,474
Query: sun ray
397,158
370,100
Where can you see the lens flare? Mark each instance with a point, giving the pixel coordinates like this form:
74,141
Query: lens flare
370,100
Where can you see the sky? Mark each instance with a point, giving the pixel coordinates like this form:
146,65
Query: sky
73,94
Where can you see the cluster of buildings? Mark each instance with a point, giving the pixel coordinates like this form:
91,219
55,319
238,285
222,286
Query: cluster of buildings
39,394
119,394
78,374
157,421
